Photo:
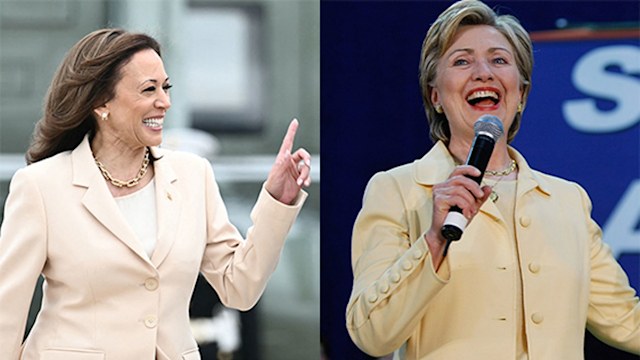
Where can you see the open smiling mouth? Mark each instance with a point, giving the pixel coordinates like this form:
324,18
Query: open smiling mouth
154,123
483,98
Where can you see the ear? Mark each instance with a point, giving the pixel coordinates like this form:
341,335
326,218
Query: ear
435,96
521,100
523,87
100,110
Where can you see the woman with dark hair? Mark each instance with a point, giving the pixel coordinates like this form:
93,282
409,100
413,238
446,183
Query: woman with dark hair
530,271
120,228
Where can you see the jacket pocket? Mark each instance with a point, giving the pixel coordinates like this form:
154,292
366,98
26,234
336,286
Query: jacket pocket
72,354
193,354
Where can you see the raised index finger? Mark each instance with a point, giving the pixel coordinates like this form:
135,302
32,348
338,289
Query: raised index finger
287,142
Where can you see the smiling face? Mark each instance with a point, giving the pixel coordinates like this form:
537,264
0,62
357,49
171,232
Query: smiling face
477,75
136,112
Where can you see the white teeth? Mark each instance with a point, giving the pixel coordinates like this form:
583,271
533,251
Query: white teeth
154,123
483,94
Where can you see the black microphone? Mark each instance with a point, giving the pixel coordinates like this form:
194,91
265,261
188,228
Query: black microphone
488,130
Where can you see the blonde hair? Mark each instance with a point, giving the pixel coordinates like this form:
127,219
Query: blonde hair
440,37
85,79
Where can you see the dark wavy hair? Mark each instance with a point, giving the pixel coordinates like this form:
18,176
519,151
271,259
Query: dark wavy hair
85,79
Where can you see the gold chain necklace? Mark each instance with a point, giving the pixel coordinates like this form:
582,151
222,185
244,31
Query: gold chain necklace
494,195
511,168
130,183
502,173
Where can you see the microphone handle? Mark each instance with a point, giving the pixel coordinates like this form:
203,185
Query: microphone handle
480,153
479,156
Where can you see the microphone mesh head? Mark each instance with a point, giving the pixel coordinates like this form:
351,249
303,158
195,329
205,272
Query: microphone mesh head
489,125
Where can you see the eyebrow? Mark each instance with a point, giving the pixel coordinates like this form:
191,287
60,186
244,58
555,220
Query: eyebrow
153,81
471,51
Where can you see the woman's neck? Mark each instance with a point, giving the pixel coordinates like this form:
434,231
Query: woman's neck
500,159
121,159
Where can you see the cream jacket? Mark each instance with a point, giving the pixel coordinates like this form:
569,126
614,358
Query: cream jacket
467,310
103,297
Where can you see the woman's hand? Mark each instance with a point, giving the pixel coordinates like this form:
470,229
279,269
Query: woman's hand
291,171
458,190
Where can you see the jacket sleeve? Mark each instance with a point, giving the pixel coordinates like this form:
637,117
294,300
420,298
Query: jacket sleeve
238,268
394,278
614,310
22,258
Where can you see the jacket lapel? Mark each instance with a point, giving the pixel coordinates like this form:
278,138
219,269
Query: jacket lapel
169,206
100,203
98,200
437,164
528,179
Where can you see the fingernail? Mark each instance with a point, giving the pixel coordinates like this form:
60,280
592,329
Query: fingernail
299,182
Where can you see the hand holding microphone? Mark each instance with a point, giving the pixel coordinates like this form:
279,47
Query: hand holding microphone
488,129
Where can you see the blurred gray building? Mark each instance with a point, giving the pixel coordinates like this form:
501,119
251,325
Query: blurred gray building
241,71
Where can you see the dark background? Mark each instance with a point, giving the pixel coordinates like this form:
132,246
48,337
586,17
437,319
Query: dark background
373,120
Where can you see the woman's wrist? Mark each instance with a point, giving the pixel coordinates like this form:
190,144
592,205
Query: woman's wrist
436,245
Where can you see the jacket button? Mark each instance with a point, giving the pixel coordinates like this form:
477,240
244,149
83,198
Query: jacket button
395,277
537,318
151,284
534,267
384,287
407,265
525,221
417,254
151,321
373,297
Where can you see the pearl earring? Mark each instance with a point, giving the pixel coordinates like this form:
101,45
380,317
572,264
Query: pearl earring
104,116
439,109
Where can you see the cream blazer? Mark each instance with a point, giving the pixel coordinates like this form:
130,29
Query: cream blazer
103,297
467,310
